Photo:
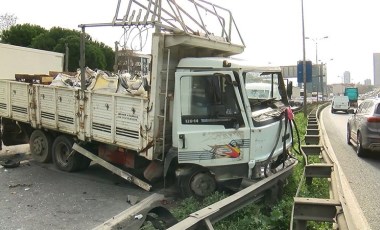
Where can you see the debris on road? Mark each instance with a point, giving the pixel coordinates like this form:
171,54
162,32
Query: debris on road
19,185
12,160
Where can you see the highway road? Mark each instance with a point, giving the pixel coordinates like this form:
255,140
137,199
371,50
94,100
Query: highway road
39,196
363,174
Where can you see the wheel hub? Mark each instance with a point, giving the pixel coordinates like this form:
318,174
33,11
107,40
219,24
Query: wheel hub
64,154
37,146
203,184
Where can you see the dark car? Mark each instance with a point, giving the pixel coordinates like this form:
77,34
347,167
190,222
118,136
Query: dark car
363,127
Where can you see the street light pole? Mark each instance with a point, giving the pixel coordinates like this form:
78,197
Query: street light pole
315,40
322,73
304,64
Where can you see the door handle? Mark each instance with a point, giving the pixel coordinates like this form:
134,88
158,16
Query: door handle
182,137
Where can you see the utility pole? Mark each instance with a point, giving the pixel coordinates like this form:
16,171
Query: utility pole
304,64
116,64
322,73
315,40
66,57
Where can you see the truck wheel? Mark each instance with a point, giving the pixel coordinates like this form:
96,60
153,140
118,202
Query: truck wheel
199,182
63,157
40,143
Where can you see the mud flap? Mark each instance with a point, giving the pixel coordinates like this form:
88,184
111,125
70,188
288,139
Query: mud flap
173,153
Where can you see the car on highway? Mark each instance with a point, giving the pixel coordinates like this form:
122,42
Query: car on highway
363,127
340,103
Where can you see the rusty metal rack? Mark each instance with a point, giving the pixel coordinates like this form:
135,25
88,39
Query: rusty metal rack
34,78
341,207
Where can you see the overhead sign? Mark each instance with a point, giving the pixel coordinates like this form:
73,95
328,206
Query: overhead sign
300,71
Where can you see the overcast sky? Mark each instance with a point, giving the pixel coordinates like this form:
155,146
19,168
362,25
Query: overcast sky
271,29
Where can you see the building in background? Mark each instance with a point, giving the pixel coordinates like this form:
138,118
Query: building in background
346,77
367,82
376,69
22,60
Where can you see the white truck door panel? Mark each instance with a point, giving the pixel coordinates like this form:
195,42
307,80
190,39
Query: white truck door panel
211,127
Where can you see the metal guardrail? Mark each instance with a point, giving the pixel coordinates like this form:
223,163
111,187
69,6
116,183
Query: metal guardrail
204,218
134,217
341,208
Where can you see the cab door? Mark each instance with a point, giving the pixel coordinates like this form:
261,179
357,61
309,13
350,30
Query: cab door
210,128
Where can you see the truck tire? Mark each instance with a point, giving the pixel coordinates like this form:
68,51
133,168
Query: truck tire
199,183
40,143
63,157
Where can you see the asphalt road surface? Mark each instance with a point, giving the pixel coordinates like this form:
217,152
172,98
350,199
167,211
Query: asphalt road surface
39,196
363,174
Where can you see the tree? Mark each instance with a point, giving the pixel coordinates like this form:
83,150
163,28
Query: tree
21,35
6,21
74,47
98,55
95,56
49,40
109,55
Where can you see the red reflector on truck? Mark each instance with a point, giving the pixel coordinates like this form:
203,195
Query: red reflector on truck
373,119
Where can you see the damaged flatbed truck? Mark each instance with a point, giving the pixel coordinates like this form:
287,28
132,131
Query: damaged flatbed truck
195,122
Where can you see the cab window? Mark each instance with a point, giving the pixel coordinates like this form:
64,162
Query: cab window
210,99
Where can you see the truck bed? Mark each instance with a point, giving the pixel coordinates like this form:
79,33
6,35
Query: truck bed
110,118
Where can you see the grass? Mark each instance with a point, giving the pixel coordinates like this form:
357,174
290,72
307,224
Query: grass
259,215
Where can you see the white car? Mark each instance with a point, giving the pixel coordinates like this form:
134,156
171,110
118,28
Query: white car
340,103
363,127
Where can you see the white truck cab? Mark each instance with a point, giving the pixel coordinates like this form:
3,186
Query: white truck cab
217,125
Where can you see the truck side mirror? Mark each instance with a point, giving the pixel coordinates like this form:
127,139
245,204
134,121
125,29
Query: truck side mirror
289,89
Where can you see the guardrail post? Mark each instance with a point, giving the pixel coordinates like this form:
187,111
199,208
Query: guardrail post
312,132
301,224
315,209
312,139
